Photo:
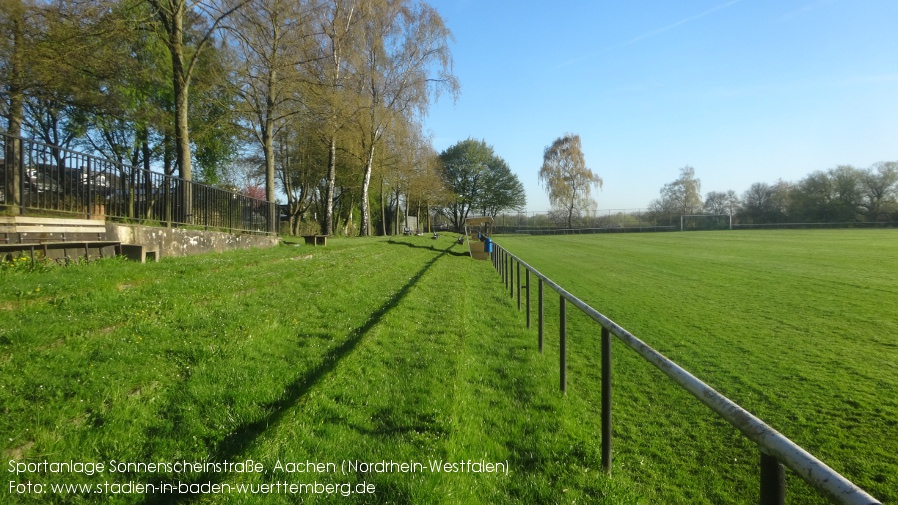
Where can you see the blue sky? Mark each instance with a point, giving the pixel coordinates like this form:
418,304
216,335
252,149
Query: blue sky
744,91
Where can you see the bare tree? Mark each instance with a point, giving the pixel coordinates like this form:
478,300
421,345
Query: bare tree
271,39
720,202
879,187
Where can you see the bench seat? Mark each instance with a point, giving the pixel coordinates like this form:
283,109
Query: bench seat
315,239
57,239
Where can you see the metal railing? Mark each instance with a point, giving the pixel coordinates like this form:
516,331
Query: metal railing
775,449
38,178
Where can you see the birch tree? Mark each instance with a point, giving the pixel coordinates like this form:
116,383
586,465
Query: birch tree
567,179
405,63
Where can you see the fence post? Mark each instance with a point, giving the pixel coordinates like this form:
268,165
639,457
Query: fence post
519,285
22,174
511,261
562,333
505,268
606,400
88,172
540,316
528,298
773,481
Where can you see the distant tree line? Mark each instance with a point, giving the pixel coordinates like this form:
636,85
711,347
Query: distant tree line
844,194
322,100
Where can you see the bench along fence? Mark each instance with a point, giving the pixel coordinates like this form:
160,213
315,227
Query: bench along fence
775,449
51,180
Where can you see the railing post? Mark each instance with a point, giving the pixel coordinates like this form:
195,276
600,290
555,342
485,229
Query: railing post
88,172
606,400
562,333
511,277
773,481
528,298
540,323
22,174
519,286
505,268
510,284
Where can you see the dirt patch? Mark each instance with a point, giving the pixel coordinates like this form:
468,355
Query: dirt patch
17,452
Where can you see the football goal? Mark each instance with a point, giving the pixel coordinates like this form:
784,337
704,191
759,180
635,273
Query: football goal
706,222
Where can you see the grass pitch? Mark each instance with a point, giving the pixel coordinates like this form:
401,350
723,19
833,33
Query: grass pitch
798,327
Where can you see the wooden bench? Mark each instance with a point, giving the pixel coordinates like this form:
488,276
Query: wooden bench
58,239
315,239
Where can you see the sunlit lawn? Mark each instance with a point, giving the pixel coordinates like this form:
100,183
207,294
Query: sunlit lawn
799,327
401,351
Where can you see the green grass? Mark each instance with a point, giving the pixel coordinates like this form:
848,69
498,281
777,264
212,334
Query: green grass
371,350
798,327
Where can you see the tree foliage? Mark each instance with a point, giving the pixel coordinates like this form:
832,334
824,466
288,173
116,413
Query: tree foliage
567,179
190,85
843,194
479,181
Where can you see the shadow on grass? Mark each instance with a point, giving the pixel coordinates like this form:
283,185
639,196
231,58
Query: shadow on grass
238,441
432,247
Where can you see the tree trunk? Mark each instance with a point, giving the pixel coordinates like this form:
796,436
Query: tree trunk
268,150
15,113
383,209
331,183
181,85
396,229
365,225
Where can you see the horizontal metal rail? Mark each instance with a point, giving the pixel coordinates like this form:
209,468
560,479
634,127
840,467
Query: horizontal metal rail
775,448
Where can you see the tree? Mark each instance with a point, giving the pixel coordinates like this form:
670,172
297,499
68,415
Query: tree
335,54
16,22
478,180
566,178
879,189
830,196
427,188
300,161
270,39
756,203
684,192
403,43
502,190
719,202
173,17
763,203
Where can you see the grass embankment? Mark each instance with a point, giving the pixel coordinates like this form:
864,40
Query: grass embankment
373,350
798,327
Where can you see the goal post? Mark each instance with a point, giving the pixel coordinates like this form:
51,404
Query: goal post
689,222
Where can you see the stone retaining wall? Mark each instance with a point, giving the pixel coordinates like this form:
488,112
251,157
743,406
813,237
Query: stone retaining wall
185,242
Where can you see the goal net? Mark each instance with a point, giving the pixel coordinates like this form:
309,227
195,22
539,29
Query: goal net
706,222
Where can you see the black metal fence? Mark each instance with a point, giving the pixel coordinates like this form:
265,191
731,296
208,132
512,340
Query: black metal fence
775,449
49,180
